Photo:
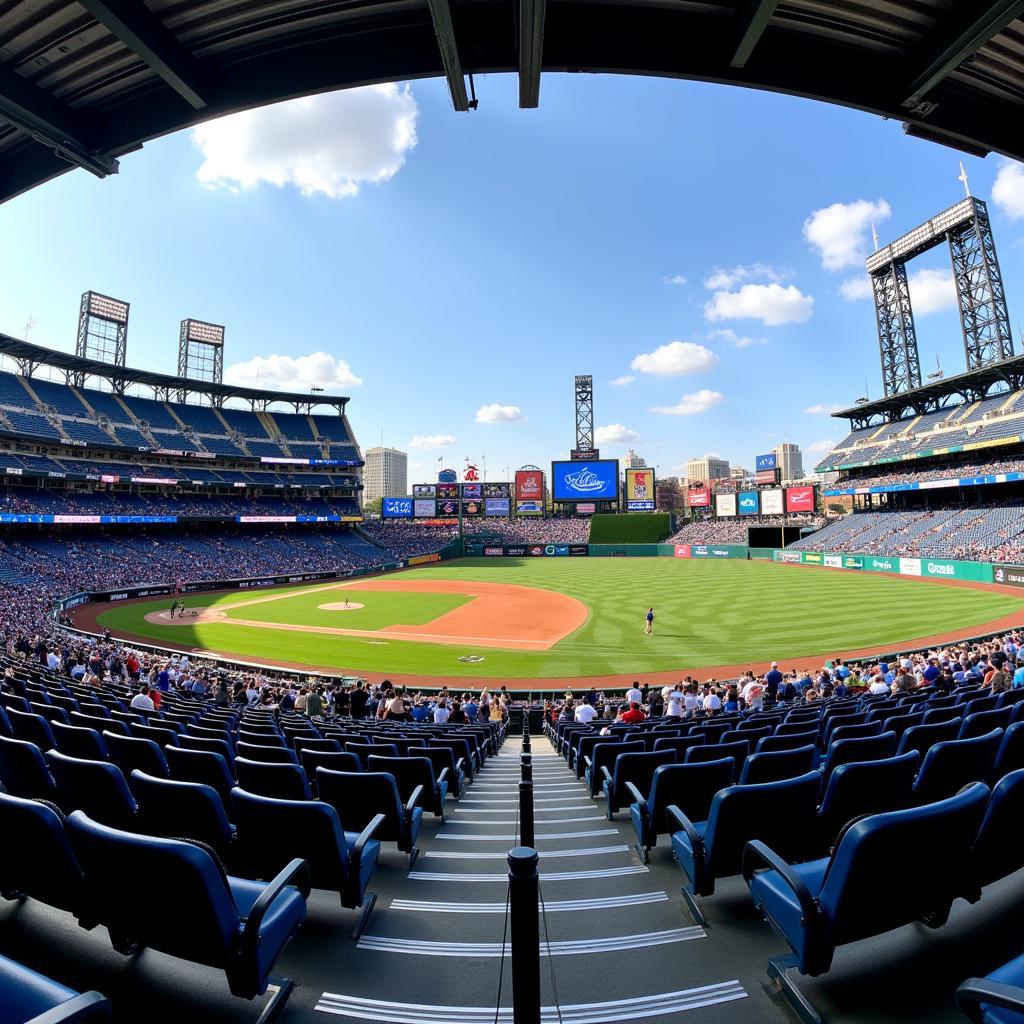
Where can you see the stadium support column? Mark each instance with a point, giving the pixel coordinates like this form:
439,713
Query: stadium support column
897,336
584,412
984,319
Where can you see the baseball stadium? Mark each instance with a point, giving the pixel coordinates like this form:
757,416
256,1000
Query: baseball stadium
575,741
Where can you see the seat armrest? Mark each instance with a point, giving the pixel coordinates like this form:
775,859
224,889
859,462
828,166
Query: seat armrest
975,991
443,777
587,760
366,835
414,799
685,825
460,762
87,1008
295,872
758,856
635,793
607,774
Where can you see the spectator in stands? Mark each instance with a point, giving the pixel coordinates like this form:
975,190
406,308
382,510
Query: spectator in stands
634,715
142,700
585,712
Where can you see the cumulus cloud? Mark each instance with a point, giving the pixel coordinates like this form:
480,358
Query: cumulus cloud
675,359
734,339
675,279
616,433
1008,189
856,288
621,382
692,404
721,279
293,373
932,291
820,447
496,413
772,304
330,144
839,232
432,441
822,410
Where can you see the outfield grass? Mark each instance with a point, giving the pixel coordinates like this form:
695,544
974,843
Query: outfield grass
708,613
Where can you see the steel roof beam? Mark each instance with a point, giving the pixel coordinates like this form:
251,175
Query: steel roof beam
143,34
531,51
754,16
50,123
444,29
967,28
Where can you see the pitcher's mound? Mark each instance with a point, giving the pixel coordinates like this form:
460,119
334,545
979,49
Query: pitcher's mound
339,606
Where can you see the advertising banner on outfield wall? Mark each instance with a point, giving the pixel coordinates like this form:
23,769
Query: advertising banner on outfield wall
874,563
725,504
799,499
699,497
910,566
1009,575
424,559
811,558
682,551
790,557
771,501
530,485
640,489
853,562
834,561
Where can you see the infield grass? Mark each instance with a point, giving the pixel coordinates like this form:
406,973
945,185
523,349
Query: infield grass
707,613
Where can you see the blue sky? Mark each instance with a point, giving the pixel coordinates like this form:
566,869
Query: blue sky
459,269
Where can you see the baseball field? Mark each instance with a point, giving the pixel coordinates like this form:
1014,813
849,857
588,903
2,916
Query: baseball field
554,619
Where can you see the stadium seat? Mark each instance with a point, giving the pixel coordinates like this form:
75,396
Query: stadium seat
77,741
997,998
284,781
443,760
603,756
210,744
789,741
679,744
949,766
364,750
271,832
50,712
870,748
737,750
23,770
359,797
412,773
301,743
997,851
1010,756
32,728
272,740
781,814
161,737
1010,697
933,716
690,787
271,755
201,766
462,748
776,765
852,732
27,997
129,753
230,923
182,810
819,905
980,722
96,787
922,737
582,747
635,768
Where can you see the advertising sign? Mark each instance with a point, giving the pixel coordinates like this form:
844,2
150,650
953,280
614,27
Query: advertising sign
472,491
811,558
771,501
496,506
799,499
447,508
585,508
447,476
1009,575
747,503
834,561
910,566
424,508
725,504
529,485
472,508
947,569
682,551
699,497
790,557
424,491
766,478
853,562
496,490
585,454
447,490
640,490
516,550
875,564
492,551
396,508
589,481
529,508
763,463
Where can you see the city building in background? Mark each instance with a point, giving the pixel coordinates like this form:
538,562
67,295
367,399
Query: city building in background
386,474
634,461
790,462
739,473
708,468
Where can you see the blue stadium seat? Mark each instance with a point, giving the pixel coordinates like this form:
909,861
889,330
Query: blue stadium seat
412,773
183,810
775,765
27,997
997,998
634,768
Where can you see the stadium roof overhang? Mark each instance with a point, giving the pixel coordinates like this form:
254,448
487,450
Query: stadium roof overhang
962,387
83,82
165,386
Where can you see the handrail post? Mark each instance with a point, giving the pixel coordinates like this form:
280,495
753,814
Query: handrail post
526,767
524,887
526,813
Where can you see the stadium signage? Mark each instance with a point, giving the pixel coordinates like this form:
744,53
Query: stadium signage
396,508
494,551
763,463
640,490
496,507
532,508
853,562
13,471
424,490
1009,575
771,502
424,508
789,557
811,558
682,551
585,454
699,497
593,481
725,504
423,559
516,550
940,569
799,499
834,561
747,503
874,564
529,484
910,566
765,478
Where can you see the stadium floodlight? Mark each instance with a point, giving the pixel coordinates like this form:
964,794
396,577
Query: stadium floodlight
102,331
200,353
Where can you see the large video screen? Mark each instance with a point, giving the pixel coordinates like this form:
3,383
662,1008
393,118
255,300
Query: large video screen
447,507
472,491
447,490
424,508
473,507
396,508
496,506
424,490
496,490
585,481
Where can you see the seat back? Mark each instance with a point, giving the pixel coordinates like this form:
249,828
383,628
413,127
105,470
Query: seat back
161,737
751,734
604,755
780,814
365,750
853,732
1011,752
77,741
271,755
690,787
790,741
260,739
51,712
638,768
129,753
859,898
948,767
922,737
23,770
359,796
981,722
774,765
870,748
802,727
203,766
737,750
35,856
301,743
978,704
440,758
284,781
997,849
679,744
949,713
408,773
96,787
181,810
33,728
336,760
219,745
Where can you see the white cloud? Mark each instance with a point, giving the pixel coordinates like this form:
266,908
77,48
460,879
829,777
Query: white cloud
772,304
822,410
820,447
839,232
621,382
675,359
856,288
675,279
690,405
734,339
932,291
616,433
711,455
1008,189
293,373
496,413
331,144
432,441
720,279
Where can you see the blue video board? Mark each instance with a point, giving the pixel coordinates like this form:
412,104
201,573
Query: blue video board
396,508
746,503
585,481
764,463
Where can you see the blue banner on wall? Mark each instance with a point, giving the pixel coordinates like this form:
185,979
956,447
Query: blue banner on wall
746,503
763,463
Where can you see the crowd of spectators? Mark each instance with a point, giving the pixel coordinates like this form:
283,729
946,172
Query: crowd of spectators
411,537
734,531
869,478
